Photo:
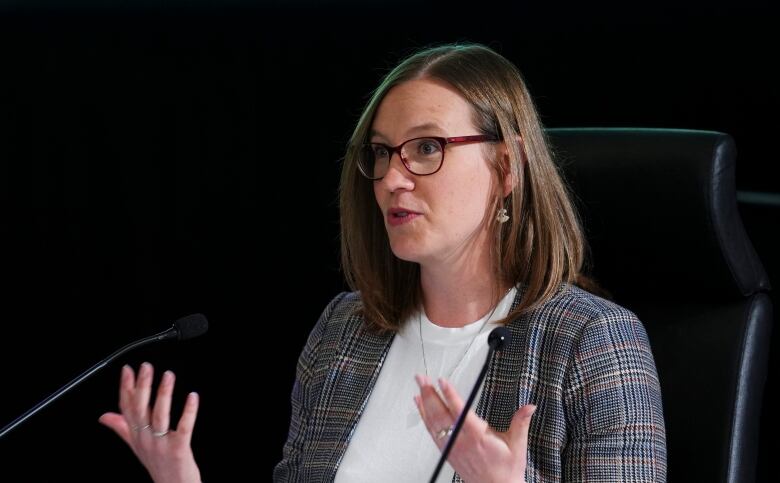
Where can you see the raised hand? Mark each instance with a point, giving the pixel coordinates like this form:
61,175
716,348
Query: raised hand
166,453
480,454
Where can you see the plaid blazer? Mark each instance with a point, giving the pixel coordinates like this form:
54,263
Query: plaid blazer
583,361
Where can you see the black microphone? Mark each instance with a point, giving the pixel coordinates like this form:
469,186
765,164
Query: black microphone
497,340
187,327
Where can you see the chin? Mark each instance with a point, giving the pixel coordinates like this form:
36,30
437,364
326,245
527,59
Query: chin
406,252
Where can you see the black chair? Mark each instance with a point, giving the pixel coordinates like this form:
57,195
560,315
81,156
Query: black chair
660,212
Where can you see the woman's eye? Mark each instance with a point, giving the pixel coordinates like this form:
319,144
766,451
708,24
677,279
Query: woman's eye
429,147
380,151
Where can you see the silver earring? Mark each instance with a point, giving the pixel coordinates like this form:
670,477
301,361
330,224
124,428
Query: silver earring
502,217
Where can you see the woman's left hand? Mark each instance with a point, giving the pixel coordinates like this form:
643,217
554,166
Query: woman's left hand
480,454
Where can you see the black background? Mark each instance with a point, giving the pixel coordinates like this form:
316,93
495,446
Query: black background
163,159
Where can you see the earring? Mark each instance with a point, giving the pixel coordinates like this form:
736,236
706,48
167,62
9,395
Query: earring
502,217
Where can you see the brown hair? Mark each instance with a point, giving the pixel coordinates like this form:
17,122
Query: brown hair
542,244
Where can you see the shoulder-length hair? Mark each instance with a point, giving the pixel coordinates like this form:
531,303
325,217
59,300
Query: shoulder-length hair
542,244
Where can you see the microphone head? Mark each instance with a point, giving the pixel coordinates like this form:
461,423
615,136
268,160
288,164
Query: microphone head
499,338
191,326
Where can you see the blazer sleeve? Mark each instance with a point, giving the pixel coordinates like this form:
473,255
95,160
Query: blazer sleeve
612,403
303,394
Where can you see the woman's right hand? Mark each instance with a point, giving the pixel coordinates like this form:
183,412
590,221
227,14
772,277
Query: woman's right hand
165,453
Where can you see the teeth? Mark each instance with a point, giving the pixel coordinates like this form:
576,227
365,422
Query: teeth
401,213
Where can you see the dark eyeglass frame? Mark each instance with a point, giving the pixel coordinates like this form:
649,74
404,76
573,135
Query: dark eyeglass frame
443,142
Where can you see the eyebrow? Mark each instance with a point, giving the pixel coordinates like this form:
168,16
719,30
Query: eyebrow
420,127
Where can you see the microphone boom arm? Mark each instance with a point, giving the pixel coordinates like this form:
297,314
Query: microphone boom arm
461,418
497,340
171,333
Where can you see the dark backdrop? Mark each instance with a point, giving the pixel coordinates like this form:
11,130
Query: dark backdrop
160,161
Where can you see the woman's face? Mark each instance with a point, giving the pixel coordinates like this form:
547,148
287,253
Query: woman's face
450,205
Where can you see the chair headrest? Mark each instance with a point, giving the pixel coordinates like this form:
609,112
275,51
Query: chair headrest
660,211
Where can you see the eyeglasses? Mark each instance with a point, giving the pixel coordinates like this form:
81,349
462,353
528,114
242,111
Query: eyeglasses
421,156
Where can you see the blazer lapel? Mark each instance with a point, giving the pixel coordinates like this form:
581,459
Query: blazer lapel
347,387
507,381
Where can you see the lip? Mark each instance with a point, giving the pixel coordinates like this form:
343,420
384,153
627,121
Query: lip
394,220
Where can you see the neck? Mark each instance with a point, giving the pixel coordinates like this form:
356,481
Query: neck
455,295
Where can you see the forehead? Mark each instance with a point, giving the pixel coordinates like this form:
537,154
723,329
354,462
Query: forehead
422,105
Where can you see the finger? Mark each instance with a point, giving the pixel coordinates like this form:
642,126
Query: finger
142,393
430,397
452,399
433,410
126,389
518,429
117,423
161,415
188,416
473,423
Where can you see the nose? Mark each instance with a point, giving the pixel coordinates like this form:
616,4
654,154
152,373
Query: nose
397,176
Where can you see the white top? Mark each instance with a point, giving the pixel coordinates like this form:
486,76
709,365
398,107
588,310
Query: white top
390,442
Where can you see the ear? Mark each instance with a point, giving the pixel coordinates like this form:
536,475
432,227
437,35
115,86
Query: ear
511,181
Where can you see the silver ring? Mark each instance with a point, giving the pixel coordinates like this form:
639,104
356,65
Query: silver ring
444,432
159,434
138,427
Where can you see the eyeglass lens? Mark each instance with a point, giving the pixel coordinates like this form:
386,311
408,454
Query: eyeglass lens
421,156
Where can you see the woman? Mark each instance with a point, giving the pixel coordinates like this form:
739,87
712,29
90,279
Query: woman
454,220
